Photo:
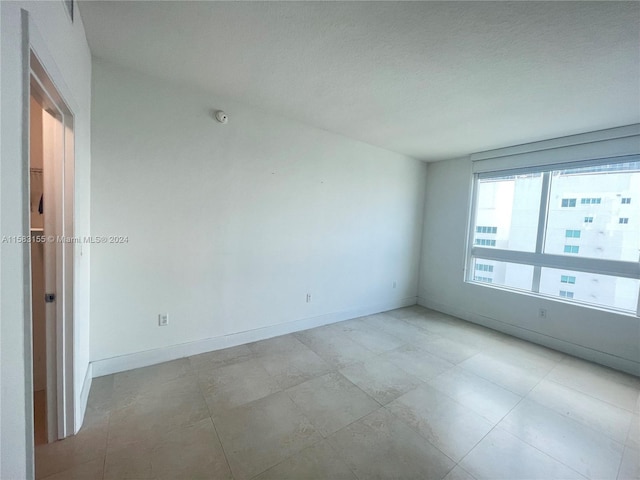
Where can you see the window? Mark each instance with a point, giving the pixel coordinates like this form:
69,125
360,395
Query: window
483,279
531,206
485,242
626,201
486,229
483,267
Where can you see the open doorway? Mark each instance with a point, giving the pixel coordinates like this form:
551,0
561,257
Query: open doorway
51,223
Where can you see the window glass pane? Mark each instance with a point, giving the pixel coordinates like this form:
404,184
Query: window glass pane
590,216
601,224
507,210
603,290
512,275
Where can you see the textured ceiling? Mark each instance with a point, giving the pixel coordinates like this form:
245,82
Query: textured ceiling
433,80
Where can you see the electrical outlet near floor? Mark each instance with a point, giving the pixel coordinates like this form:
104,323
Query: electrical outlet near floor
163,319
542,313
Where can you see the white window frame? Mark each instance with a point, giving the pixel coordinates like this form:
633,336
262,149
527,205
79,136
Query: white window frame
618,145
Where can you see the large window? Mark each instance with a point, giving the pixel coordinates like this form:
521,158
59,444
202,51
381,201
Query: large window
561,224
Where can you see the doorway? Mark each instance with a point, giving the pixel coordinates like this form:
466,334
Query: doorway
51,256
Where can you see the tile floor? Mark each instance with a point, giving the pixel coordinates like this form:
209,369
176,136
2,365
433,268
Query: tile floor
406,394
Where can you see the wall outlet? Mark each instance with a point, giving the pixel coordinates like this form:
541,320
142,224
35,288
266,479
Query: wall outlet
163,319
308,298
542,313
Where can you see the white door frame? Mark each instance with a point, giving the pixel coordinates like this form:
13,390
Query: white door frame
60,365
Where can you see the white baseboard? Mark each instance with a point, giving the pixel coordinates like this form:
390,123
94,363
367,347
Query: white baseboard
81,406
122,363
586,353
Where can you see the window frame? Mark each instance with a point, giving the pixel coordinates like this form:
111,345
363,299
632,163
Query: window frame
538,259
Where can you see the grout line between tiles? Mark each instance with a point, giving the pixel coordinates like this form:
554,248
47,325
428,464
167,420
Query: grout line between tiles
215,429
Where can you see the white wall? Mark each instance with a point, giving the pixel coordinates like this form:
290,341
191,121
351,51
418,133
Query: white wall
230,226
65,53
600,336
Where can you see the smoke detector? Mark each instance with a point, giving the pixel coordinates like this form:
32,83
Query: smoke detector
222,117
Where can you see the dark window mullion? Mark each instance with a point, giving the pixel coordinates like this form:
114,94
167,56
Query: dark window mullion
542,228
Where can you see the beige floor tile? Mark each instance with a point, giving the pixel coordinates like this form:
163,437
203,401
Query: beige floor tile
187,452
630,465
407,312
437,323
584,450
319,462
380,446
447,383
338,351
405,331
402,313
192,452
459,473
375,340
501,455
503,371
633,438
417,362
451,427
277,345
447,349
219,358
89,444
331,402
526,352
236,384
596,414
178,403
100,402
294,367
261,434
91,470
139,378
381,379
603,383
132,384
479,395
130,460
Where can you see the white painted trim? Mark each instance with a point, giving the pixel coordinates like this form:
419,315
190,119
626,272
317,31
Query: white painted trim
122,363
586,353
68,408
81,406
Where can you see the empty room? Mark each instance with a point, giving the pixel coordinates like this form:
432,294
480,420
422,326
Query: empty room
319,240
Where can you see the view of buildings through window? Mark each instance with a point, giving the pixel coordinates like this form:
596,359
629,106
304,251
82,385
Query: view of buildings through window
591,213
